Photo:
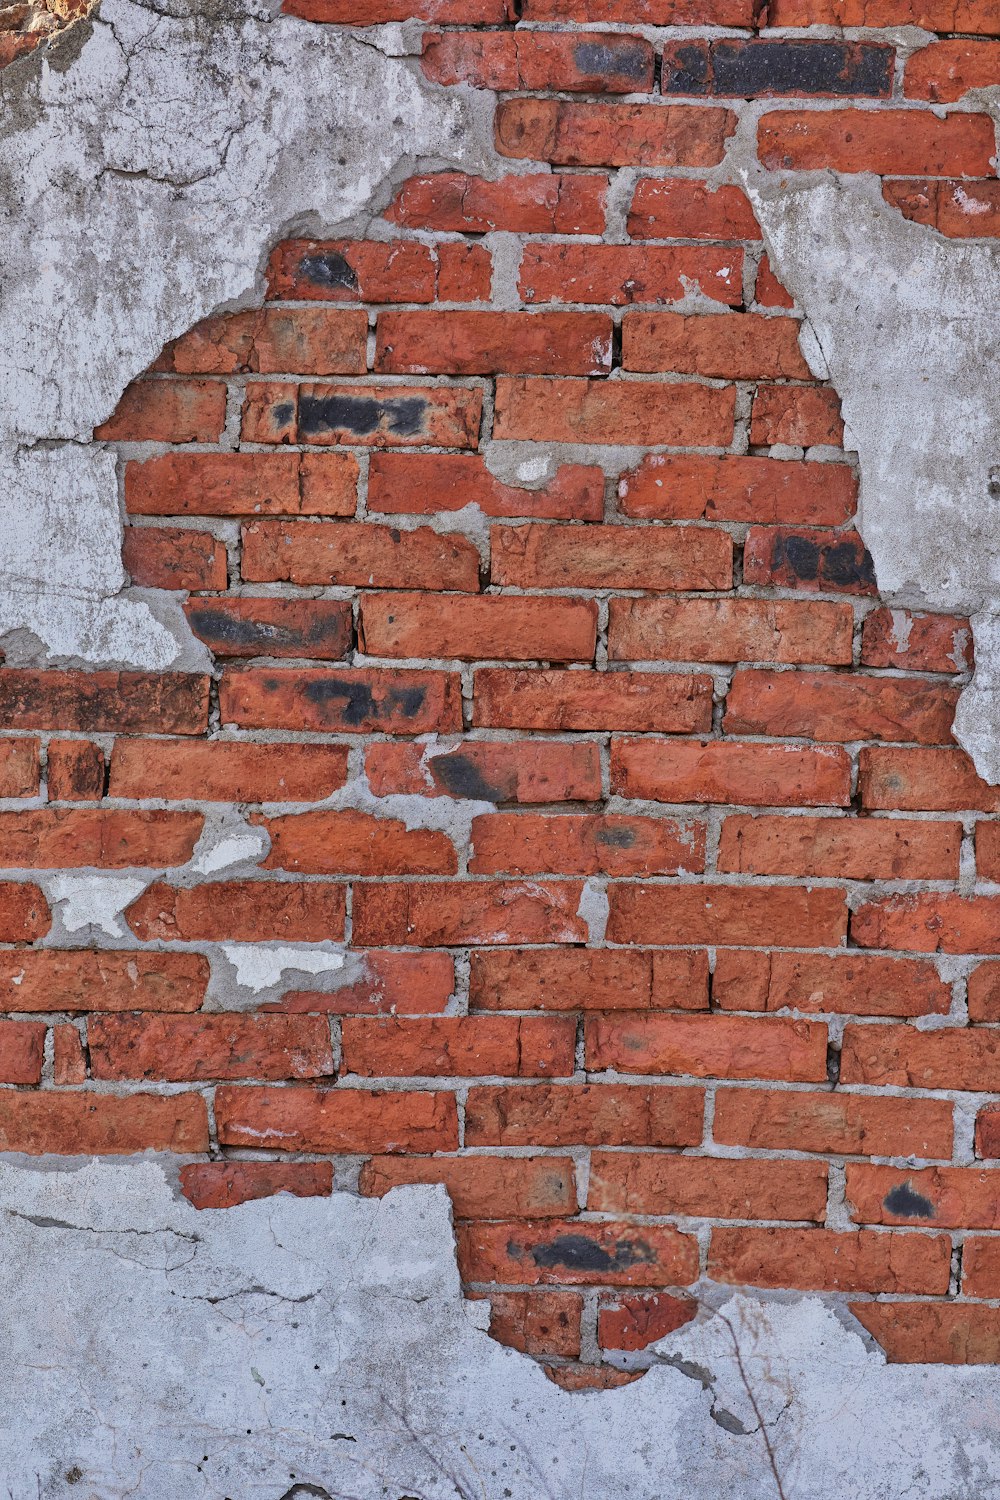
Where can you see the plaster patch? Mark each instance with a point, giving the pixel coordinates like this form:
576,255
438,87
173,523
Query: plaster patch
908,323
228,840
258,967
189,142
83,901
288,1343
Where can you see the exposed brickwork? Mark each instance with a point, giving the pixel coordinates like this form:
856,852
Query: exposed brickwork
698,984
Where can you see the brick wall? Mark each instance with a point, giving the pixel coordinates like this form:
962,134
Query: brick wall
705,983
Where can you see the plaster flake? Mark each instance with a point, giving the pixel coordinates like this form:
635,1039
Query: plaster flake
259,967
144,173
96,901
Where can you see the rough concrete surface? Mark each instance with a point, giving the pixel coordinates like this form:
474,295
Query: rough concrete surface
294,1347
145,172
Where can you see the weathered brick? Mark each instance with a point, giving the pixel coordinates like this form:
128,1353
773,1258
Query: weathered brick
768,290
820,562
581,62
945,1333
363,415
823,706
573,1252
866,1260
225,771
524,771
988,1133
182,1048
374,12
174,557
588,979
352,271
532,203
726,771
799,415
946,70
621,411
481,343
583,844
678,704
707,1046
378,982
537,1322
424,484
730,630
916,642
355,700
612,135
583,1114
242,484
932,15
20,766
298,1118
355,843
666,208
689,487
623,274
735,346
167,411
74,769
353,553
506,628
918,780
482,1187
633,1321
665,1183
82,1124
756,69
84,979
611,557
840,848
270,340
22,1046
930,923
904,142
319,629
432,914
832,1123
243,911
224,1184
961,210
103,837
125,702
935,1197
855,984
796,916
69,1064
950,1058
650,12
987,850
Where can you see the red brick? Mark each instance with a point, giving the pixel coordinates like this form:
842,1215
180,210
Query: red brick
984,993
525,771
768,290
20,765
81,1124
950,1058
623,274
930,923
678,703
590,1377
854,984
126,702
355,843
944,71
507,628
916,642
940,1333
242,484
613,135
83,979
357,554
840,848
620,411
224,770
103,837
69,1065
465,273
611,557
988,1133
345,1119
379,982
588,979
482,1187
798,415
352,271
961,210
425,484
832,1123
182,1048
666,208
270,340
319,629
865,1260
729,629
824,706
533,203
907,142
167,411
574,1252
583,62
922,781
225,1184
174,557
759,68
537,1322
372,12
16,44
736,346
352,701
725,771
432,914
74,769
987,850
584,1114
942,1197
584,844
634,1321
795,916
932,15
706,1188
690,487
707,1046
481,343
818,562
22,1046
362,415
647,12
240,911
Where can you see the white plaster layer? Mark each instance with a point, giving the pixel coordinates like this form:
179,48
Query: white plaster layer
259,967
142,178
257,1351
82,901
907,325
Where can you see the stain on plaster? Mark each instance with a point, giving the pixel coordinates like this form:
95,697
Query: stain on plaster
150,156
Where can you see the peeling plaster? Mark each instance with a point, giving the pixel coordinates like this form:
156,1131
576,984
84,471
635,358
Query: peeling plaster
256,1351
259,967
189,140
85,901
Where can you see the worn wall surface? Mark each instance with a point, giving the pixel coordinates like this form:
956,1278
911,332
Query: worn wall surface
499,602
